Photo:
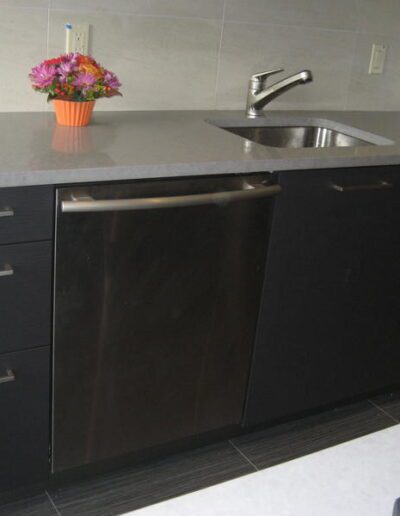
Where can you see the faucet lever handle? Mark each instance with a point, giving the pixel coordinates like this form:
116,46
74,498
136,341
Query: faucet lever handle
261,77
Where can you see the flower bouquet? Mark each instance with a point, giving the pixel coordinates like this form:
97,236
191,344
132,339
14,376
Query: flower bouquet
74,82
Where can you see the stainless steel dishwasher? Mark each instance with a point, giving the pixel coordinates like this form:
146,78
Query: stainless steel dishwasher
157,287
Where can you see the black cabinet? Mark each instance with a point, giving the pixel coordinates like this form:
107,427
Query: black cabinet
26,222
329,325
24,419
25,295
26,214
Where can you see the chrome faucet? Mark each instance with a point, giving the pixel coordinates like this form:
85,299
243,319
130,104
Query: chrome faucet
259,96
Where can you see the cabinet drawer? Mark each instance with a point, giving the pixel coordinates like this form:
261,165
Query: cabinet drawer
26,214
362,183
24,409
25,295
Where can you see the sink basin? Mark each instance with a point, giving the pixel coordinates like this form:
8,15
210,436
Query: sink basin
297,137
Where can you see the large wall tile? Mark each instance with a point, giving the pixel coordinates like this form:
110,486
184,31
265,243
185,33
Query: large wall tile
380,17
251,48
184,8
39,4
334,14
166,51
375,92
23,36
163,63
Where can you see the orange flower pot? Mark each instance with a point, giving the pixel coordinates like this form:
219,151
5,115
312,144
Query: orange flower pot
73,113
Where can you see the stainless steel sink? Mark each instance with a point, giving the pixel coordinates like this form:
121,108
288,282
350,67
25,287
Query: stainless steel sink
297,137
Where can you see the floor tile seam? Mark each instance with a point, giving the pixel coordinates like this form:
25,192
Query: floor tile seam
384,411
53,504
243,455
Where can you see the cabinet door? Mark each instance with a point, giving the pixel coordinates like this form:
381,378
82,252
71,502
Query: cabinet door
329,325
26,214
24,409
25,295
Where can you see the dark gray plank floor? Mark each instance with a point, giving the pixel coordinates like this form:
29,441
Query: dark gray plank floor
143,485
301,437
389,404
38,505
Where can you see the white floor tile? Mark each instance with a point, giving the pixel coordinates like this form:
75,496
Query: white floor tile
357,478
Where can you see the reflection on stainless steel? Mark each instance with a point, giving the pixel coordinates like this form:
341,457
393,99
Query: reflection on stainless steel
297,137
6,212
155,313
381,185
258,96
7,270
8,377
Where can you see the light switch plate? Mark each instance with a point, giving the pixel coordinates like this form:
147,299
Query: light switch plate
77,38
377,61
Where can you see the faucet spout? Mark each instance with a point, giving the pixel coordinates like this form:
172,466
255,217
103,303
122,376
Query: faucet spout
259,96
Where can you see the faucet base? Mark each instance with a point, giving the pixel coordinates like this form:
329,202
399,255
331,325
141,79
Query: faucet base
252,113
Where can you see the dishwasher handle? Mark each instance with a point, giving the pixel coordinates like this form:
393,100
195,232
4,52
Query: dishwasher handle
79,203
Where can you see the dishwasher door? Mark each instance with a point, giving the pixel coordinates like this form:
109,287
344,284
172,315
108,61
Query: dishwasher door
157,287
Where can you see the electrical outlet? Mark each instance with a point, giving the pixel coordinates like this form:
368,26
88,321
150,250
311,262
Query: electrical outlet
77,38
377,61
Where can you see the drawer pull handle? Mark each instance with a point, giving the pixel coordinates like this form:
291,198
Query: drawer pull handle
7,270
382,185
6,212
8,377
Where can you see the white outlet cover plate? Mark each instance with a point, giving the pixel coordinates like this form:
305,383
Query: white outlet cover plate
378,57
77,38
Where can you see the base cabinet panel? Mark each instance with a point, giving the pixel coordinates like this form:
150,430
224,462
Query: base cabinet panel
329,326
25,294
24,409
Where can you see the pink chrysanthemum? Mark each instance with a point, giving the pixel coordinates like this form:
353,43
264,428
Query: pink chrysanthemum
111,80
84,80
74,77
43,75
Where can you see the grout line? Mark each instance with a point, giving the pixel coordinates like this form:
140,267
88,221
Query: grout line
353,57
243,455
384,412
26,7
292,26
359,18
351,68
121,12
52,503
48,32
219,55
47,107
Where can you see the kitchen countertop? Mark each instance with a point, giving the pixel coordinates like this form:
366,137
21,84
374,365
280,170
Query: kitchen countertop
136,145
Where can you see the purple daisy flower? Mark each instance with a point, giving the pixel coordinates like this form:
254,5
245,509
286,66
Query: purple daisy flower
84,80
43,75
65,69
111,80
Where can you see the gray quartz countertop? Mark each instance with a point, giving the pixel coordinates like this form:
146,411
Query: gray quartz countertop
135,145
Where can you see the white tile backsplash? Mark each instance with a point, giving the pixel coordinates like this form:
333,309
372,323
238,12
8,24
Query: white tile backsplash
23,39
250,48
380,17
330,14
163,63
199,54
371,92
37,4
177,8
